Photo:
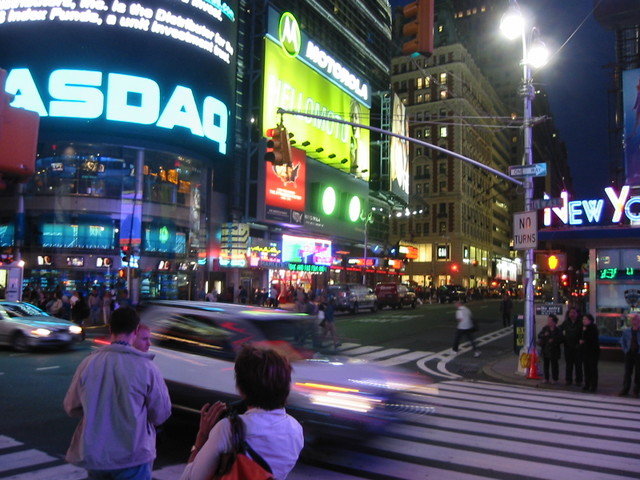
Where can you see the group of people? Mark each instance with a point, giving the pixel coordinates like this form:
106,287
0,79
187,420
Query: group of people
579,335
121,398
91,309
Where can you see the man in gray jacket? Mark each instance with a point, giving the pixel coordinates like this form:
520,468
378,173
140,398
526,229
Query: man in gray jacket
120,396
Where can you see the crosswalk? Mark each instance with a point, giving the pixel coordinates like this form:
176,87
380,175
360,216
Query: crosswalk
480,430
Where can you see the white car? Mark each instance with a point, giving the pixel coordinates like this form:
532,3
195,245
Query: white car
195,345
353,297
24,326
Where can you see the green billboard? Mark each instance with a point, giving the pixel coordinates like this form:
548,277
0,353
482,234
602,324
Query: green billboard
291,84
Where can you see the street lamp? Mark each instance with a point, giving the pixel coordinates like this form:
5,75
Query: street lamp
367,219
534,55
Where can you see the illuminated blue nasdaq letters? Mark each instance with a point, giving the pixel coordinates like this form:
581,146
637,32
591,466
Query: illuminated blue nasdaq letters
125,98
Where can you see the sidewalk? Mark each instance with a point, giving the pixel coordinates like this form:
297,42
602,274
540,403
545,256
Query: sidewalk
610,373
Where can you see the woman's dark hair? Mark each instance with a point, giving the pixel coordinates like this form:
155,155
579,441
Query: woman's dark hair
554,318
263,376
590,317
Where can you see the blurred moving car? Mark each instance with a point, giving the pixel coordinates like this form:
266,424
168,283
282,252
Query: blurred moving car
24,326
395,295
352,297
195,345
451,293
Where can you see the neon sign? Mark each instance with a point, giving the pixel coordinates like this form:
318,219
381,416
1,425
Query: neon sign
579,212
118,97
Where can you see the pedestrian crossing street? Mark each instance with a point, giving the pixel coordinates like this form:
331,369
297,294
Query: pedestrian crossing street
480,430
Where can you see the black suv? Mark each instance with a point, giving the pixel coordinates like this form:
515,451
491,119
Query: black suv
451,293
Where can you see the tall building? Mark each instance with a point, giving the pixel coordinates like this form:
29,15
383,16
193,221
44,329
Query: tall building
466,98
623,17
458,215
151,174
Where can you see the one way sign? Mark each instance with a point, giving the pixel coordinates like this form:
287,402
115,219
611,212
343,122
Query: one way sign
535,170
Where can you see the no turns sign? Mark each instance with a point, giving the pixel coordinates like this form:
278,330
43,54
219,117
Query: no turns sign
525,230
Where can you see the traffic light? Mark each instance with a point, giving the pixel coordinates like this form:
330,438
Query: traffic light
125,255
551,262
455,268
419,29
122,273
18,138
278,147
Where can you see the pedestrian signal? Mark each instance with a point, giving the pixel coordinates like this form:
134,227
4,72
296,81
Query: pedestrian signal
551,262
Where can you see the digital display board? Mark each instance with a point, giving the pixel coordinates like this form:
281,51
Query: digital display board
151,73
286,184
399,157
310,251
300,76
631,108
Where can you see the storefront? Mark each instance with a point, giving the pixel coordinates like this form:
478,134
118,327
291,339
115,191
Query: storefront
609,227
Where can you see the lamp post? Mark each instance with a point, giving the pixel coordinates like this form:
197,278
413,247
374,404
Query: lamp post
367,219
534,55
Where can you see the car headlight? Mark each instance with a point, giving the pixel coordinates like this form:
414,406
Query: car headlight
41,332
75,329
338,397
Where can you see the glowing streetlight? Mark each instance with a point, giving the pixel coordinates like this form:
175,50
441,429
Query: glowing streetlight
534,54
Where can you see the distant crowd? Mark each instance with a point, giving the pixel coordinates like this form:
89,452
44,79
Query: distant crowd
91,309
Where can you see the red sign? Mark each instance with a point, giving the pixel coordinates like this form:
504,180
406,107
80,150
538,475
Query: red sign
286,183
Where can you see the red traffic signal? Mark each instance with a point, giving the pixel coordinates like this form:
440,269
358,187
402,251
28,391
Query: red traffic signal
278,147
18,137
455,268
419,29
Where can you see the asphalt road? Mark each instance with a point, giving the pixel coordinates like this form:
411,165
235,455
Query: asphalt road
33,384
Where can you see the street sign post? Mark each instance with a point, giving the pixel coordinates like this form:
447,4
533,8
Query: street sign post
540,203
525,230
535,170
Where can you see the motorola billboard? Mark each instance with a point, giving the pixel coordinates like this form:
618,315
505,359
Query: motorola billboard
146,73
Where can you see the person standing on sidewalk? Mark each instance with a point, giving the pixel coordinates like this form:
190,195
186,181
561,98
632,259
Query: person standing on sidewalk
590,352
464,328
506,307
550,339
572,330
630,342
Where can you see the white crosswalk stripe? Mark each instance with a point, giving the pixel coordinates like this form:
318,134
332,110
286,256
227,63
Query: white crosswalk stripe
480,430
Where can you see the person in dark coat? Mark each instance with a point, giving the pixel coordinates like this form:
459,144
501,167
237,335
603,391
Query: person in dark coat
572,331
590,352
630,342
550,338
506,307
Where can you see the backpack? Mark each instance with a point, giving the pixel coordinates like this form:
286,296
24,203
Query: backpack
236,464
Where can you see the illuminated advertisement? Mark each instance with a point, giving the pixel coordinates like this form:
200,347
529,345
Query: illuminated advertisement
631,108
264,252
285,184
116,71
618,207
301,76
310,251
399,151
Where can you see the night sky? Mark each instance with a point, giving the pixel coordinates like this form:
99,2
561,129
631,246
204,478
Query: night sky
577,82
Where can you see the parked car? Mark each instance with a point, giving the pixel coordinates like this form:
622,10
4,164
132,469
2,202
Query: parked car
395,295
352,297
24,326
195,345
451,293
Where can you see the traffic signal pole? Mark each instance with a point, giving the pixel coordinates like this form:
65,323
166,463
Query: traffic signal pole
504,176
